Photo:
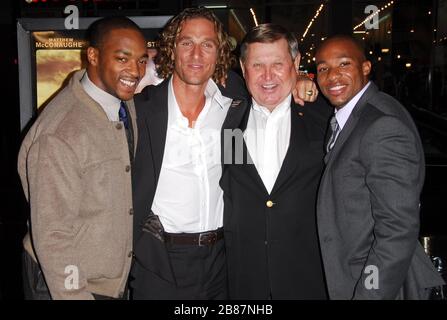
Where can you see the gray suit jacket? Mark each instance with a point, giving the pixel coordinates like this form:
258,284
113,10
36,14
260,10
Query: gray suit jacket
368,206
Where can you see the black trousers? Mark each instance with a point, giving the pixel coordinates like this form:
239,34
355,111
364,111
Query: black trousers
34,285
200,273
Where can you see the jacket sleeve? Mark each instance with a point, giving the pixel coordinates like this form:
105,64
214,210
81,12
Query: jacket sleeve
55,194
394,164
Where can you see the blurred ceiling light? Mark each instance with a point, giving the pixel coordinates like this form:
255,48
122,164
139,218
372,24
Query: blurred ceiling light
217,7
254,16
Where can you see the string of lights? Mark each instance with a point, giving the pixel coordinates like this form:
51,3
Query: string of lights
312,21
368,18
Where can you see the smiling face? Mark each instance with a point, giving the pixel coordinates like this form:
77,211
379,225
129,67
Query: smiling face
195,52
119,63
342,70
269,72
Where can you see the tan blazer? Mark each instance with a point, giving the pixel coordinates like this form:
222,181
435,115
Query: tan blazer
75,170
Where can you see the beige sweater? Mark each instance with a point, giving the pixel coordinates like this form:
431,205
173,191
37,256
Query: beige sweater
75,171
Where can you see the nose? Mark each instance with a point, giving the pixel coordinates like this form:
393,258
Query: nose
197,50
333,74
268,75
134,69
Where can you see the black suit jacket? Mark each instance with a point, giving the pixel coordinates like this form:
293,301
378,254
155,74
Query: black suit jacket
152,119
273,252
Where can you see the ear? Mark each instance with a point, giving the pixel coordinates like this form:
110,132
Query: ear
242,67
297,61
366,68
93,56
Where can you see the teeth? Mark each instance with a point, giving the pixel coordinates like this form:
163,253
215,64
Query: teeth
269,86
336,88
128,82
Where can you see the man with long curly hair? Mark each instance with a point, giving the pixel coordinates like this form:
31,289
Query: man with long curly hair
178,203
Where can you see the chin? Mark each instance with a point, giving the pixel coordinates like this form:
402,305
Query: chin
125,97
337,103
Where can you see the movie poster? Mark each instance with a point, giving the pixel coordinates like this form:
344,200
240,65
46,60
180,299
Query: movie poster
58,54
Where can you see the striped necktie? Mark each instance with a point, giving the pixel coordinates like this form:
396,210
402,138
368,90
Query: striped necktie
335,129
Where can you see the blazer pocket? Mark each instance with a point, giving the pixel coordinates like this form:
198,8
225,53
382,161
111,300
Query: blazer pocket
80,235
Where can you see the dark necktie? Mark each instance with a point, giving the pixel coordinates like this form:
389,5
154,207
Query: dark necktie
123,114
128,125
335,129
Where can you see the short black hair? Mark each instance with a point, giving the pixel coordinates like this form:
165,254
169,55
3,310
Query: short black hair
345,37
98,30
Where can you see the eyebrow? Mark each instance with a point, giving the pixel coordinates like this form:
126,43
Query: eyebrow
128,53
320,62
338,57
123,51
190,38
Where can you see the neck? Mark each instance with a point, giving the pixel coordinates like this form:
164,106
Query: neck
190,98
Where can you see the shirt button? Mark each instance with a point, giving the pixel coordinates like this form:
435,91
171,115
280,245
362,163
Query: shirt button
130,254
127,168
269,204
119,126
131,211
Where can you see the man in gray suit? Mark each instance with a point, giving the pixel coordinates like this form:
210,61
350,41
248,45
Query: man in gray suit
368,200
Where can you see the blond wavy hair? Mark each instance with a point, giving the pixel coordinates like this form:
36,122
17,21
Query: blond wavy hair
164,60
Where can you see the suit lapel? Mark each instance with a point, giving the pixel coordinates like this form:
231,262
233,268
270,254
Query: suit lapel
298,136
237,118
350,124
249,166
237,115
157,124
234,121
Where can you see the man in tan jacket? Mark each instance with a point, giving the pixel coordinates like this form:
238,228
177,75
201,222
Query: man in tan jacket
75,166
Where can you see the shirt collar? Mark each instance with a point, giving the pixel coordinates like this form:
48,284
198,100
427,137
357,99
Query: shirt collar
212,92
279,110
342,115
105,100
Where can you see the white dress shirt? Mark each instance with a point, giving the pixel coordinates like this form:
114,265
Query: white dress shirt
267,138
188,196
342,115
109,103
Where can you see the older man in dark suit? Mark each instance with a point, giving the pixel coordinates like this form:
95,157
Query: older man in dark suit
269,215
368,201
